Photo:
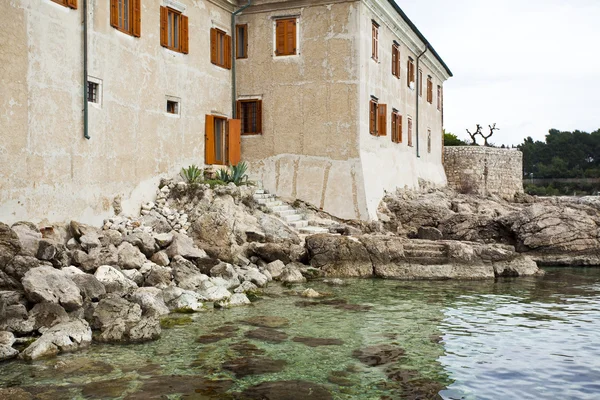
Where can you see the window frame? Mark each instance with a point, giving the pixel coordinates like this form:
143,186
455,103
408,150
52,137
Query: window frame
428,140
240,115
134,17
410,131
182,30
296,48
396,126
410,73
171,29
429,89
439,97
373,116
66,3
396,60
375,41
237,41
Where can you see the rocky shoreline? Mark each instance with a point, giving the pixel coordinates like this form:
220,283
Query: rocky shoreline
64,286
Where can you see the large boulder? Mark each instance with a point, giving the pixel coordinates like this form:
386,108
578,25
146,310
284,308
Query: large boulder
46,284
10,244
285,253
114,281
46,315
91,288
14,318
212,292
183,246
155,275
143,241
6,341
291,274
254,275
151,301
276,231
275,268
121,321
185,274
64,337
130,257
29,237
339,256
181,300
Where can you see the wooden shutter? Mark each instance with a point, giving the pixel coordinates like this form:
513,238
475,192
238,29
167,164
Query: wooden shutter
213,46
394,59
410,132
209,145
259,117
185,35
399,129
291,36
72,4
238,110
372,118
394,126
234,141
114,14
227,49
164,25
382,123
280,37
137,18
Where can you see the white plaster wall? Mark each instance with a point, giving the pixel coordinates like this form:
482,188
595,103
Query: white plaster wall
387,165
48,170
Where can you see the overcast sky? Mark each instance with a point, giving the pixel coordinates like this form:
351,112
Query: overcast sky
528,65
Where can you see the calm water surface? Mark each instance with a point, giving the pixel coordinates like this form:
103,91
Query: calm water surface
528,338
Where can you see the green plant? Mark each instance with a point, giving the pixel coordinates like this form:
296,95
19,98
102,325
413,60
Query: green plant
235,173
191,174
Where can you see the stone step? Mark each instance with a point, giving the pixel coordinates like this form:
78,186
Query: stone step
292,218
313,230
264,196
298,224
260,191
283,213
284,207
272,203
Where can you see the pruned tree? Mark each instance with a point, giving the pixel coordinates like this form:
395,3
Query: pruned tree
473,135
492,129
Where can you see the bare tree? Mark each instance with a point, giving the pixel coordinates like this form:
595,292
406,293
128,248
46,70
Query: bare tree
477,132
492,129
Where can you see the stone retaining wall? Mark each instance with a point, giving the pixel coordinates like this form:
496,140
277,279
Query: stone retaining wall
484,170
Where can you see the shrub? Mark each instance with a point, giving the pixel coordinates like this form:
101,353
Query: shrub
235,173
191,174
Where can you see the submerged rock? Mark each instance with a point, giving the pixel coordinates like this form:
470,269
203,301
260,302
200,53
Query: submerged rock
192,386
267,335
286,390
268,321
317,342
381,354
64,337
246,366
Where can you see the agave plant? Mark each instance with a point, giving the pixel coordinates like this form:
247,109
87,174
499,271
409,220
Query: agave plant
191,174
235,173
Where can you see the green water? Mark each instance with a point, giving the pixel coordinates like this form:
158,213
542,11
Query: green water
527,338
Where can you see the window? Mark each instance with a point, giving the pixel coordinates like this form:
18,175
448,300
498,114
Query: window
439,98
241,41
285,37
410,129
92,92
396,61
220,48
126,16
420,82
429,90
172,107
382,122
67,3
174,33
429,140
373,117
250,113
375,41
223,141
410,76
396,127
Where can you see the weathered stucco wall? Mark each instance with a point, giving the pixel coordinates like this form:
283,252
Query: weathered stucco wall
484,170
47,169
309,145
388,165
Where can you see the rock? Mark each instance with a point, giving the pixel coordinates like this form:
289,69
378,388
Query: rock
237,299
380,354
151,301
160,258
317,342
268,321
311,293
7,353
157,222
46,250
143,241
184,246
64,337
253,275
83,260
182,300
246,286
334,282
163,240
130,257
519,266
89,241
7,338
19,265
275,268
247,366
91,288
269,335
185,274
225,271
339,256
276,231
429,233
158,276
8,282
46,315
52,286
29,237
10,244
134,275
273,251
286,390
291,274
14,318
121,321
114,281
214,293
79,229
111,237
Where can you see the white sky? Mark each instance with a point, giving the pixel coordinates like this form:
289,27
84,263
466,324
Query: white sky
528,65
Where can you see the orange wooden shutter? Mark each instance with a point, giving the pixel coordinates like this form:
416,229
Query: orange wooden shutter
114,14
291,36
209,146
185,35
235,141
372,118
394,126
381,131
164,24
238,110
280,37
137,18
213,46
227,56
72,4
259,117
400,129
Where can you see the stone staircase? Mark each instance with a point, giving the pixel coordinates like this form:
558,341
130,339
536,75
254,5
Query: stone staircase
288,214
425,253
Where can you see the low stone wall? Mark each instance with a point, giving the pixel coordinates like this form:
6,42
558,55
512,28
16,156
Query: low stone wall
484,170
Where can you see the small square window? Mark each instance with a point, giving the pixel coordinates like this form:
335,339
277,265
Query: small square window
94,90
173,107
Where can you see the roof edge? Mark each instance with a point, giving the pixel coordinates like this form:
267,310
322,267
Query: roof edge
420,35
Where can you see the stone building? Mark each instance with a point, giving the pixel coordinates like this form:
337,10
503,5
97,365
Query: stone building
332,102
